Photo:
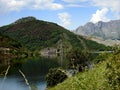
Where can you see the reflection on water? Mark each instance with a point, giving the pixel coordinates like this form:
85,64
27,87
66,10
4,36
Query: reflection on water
34,69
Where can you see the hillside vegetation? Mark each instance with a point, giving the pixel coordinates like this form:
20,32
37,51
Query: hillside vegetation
104,76
5,41
10,48
36,34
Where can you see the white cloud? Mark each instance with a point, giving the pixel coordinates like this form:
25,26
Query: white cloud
113,5
17,5
11,5
100,15
65,19
74,1
46,4
75,5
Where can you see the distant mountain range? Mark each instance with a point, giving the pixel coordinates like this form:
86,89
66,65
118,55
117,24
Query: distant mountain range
105,30
37,34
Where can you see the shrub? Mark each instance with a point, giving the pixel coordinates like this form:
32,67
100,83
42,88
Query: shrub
78,59
113,71
55,76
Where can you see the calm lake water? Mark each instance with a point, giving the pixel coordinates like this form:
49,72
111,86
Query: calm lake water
34,69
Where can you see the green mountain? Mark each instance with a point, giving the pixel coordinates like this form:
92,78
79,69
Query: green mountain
36,34
10,48
7,42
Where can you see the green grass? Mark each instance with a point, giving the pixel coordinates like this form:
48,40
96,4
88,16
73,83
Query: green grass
104,76
90,80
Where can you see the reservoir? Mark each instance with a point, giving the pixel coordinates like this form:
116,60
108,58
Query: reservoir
27,73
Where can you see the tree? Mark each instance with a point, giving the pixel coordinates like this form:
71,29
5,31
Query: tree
55,76
78,59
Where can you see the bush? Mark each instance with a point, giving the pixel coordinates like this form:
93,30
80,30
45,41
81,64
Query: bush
78,59
113,71
55,76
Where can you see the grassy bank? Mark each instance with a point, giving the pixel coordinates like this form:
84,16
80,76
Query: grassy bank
104,76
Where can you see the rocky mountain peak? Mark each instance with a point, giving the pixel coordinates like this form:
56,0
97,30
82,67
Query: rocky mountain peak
105,30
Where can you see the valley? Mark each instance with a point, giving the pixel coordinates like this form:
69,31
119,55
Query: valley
30,49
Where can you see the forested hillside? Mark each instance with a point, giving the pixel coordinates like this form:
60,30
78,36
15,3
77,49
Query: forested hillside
36,34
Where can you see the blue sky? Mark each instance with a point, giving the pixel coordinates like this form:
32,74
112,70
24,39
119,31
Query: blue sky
67,13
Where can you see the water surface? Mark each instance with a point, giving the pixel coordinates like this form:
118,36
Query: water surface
34,69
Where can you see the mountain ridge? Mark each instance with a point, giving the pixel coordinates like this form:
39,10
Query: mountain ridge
37,34
105,30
